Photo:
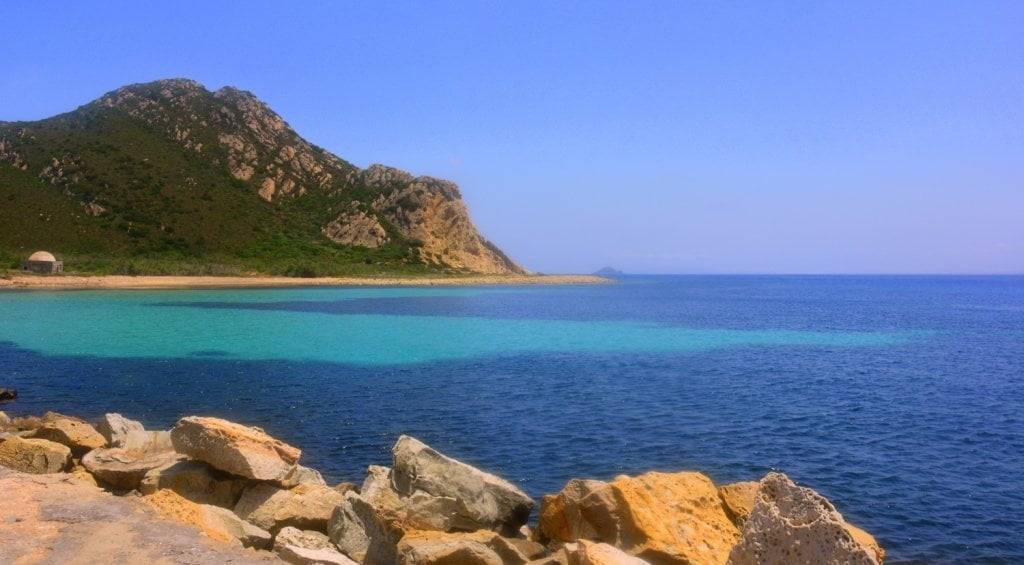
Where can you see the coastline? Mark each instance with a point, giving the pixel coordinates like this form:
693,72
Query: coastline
125,282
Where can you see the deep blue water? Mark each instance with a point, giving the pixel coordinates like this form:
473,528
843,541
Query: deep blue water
899,398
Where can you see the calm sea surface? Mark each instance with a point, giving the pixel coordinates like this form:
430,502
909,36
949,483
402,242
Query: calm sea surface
899,398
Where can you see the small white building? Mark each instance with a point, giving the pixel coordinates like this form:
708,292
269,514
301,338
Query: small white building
42,262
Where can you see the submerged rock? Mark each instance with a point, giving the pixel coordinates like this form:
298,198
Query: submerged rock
485,500
241,450
307,506
659,517
77,434
33,455
795,525
196,481
124,468
8,394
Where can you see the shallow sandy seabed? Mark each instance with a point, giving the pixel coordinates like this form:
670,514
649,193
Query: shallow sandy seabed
57,282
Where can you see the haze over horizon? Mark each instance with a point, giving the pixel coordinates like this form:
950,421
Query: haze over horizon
653,138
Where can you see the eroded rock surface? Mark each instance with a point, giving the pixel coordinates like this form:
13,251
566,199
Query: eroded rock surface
306,506
659,517
196,481
234,448
795,525
77,434
33,455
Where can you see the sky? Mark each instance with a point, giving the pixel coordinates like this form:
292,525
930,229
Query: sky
653,137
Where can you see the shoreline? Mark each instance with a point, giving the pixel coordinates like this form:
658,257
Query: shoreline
150,282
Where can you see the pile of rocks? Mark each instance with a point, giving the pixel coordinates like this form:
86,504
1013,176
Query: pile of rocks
239,485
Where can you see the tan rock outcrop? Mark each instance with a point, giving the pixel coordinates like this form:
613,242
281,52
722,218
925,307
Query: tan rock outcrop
216,522
739,499
364,532
306,506
480,498
481,547
795,525
355,227
122,432
77,434
195,481
234,448
33,455
124,468
659,517
302,475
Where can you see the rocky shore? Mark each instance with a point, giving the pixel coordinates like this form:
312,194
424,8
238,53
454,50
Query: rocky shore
214,491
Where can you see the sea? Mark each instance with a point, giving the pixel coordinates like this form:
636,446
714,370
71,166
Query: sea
900,398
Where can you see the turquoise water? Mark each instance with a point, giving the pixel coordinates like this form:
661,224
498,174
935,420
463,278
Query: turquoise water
899,398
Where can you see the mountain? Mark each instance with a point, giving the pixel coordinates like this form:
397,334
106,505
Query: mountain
608,272
169,177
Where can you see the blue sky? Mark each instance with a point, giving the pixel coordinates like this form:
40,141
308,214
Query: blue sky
719,137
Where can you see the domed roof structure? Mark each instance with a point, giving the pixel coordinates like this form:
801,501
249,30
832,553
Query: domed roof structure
42,256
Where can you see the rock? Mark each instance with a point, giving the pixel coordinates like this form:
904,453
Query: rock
487,500
305,556
195,481
436,548
586,552
80,436
344,487
124,468
738,500
237,449
363,532
794,525
302,475
307,506
31,455
122,432
217,523
421,511
308,539
355,227
5,420
8,394
658,517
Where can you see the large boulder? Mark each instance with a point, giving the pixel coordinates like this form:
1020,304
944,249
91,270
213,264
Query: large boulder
124,468
196,481
658,517
216,522
31,455
241,450
302,475
122,432
796,525
481,547
307,547
306,506
364,532
488,501
77,434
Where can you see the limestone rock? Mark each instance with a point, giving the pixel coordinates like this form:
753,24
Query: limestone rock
217,523
308,539
299,475
72,432
586,552
122,432
244,451
355,227
659,517
195,481
306,506
31,455
305,556
5,420
436,548
485,499
125,468
795,525
364,532
739,499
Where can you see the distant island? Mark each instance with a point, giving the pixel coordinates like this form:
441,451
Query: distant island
169,178
608,272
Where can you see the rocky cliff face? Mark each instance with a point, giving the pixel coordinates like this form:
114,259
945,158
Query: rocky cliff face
152,136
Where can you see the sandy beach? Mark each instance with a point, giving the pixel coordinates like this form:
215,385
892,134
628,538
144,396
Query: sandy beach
74,282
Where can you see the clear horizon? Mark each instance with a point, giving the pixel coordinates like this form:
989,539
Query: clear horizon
656,138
